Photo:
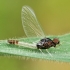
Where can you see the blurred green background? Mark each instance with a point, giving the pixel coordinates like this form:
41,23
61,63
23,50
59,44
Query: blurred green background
54,17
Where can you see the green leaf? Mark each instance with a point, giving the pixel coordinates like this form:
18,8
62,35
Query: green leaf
60,53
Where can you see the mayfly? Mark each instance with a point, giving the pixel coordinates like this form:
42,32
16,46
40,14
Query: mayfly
32,29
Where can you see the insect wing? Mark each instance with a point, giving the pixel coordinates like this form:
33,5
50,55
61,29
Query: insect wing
30,23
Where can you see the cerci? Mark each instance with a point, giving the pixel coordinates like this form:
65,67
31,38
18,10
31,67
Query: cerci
46,43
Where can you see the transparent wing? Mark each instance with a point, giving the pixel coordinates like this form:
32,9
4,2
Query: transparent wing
30,23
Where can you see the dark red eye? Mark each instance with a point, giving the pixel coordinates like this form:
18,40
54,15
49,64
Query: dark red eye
56,41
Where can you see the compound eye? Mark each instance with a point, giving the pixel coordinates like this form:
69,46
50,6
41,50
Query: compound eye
56,41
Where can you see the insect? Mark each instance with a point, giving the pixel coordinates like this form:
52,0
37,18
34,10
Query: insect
46,43
32,29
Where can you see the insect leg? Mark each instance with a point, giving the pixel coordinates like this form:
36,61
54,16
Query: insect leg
41,51
49,53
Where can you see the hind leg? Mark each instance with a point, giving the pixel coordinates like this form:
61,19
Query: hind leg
49,53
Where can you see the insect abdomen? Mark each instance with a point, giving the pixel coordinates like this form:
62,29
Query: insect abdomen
13,41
